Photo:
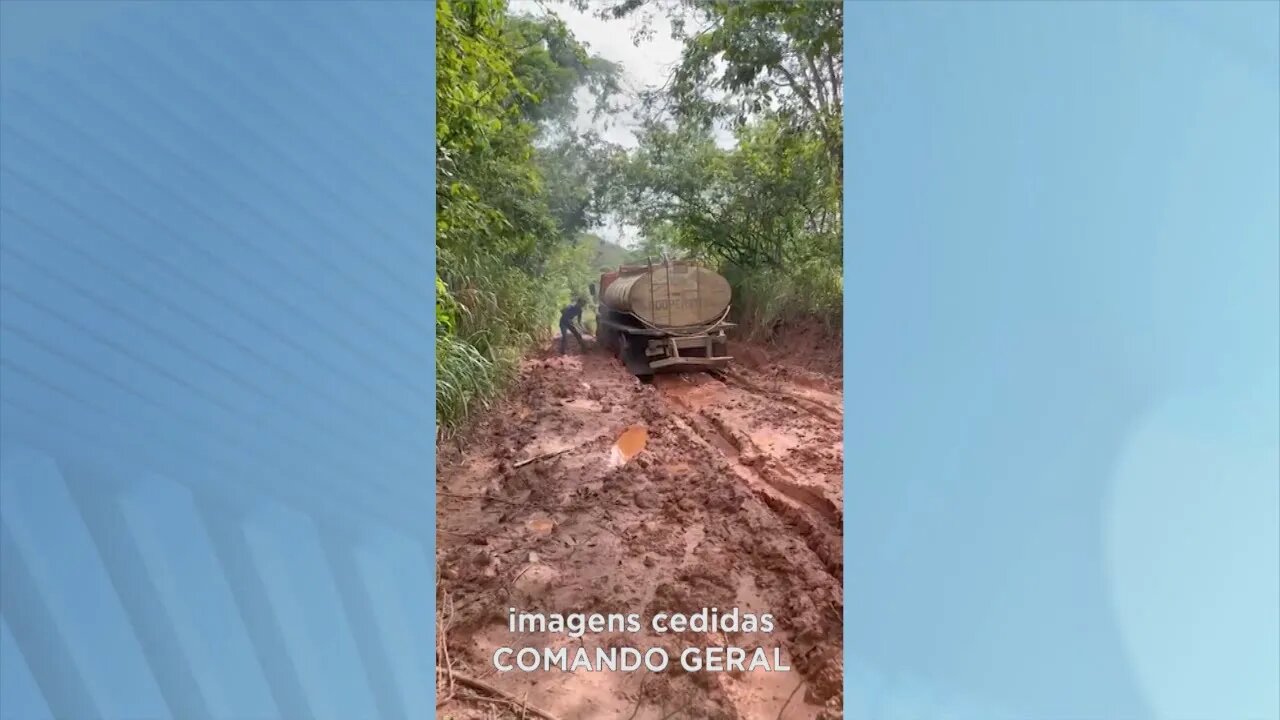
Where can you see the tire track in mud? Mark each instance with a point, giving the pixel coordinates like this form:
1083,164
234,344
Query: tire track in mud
718,413
799,397
778,478
736,502
726,414
794,504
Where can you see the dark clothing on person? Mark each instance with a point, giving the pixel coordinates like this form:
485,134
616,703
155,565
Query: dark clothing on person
565,331
567,318
570,314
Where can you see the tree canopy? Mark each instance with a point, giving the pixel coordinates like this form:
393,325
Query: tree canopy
520,190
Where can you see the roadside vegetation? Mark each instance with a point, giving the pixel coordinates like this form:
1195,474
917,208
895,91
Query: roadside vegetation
515,186
738,165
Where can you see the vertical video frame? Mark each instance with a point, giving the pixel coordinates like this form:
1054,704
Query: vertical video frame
639,373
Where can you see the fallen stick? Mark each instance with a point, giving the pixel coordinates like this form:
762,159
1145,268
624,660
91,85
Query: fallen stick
788,702
497,694
543,456
475,496
639,699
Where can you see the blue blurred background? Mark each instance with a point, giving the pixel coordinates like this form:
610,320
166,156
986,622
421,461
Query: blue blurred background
216,360
1062,345
1061,355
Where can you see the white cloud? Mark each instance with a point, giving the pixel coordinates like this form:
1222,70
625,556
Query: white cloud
644,65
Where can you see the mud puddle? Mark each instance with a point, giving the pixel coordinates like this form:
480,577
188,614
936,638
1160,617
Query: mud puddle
731,500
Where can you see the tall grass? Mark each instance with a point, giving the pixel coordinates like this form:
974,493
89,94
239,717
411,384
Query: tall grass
766,301
490,312
466,380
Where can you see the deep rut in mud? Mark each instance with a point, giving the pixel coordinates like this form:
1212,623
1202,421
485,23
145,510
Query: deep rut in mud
734,502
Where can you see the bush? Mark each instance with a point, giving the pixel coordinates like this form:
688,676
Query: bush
766,300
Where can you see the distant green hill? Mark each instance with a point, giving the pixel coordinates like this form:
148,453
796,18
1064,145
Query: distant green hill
604,254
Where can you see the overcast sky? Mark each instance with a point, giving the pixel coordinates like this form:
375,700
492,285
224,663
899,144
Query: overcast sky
645,65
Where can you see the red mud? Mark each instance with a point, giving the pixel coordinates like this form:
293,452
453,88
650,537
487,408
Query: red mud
805,355
734,502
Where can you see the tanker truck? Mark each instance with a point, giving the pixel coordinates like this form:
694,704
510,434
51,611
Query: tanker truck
664,317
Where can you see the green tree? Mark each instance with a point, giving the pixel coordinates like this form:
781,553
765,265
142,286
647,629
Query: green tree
515,188
767,212
518,188
741,60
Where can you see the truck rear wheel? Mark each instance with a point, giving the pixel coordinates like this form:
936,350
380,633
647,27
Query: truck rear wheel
633,356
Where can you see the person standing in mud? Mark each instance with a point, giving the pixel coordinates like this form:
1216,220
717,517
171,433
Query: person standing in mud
568,317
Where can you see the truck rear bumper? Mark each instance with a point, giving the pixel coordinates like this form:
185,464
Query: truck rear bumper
675,364
649,351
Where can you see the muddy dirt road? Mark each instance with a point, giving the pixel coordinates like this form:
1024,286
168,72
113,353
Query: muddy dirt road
734,502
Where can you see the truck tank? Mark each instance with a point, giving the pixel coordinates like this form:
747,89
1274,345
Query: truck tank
665,318
671,295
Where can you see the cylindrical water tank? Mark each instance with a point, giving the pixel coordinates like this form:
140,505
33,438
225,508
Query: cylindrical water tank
670,295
